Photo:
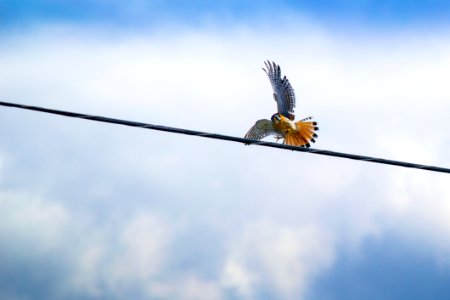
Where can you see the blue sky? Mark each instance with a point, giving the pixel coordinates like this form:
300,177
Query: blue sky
140,13
96,211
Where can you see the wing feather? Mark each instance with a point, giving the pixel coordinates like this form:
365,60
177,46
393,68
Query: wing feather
262,129
283,93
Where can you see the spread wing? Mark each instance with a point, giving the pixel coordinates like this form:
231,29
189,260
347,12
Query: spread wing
261,129
283,92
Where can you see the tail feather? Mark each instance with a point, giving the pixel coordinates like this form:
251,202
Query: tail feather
304,135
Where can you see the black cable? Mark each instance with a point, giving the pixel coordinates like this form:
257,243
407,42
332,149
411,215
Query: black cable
227,138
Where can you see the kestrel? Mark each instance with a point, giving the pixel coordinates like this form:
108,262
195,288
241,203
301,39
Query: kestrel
282,124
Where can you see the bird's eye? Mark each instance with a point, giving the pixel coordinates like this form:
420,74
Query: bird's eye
276,118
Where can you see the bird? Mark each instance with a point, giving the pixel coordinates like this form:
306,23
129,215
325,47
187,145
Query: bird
282,124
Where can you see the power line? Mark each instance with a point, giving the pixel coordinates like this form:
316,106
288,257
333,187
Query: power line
226,137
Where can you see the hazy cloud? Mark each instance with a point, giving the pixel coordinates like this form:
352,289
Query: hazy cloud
98,211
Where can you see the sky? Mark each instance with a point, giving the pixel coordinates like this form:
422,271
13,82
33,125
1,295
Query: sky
100,211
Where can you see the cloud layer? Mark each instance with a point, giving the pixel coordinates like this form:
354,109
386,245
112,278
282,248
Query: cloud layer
95,211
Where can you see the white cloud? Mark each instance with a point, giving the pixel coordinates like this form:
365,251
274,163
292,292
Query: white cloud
141,248
237,276
188,287
98,259
280,257
192,289
419,203
125,254
36,226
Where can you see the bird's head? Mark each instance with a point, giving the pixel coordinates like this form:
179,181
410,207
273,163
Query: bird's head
276,118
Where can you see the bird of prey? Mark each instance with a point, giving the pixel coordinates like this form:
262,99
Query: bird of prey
282,125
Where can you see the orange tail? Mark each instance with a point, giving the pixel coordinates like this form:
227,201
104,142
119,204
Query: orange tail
304,135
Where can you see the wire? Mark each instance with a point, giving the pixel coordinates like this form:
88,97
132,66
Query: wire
226,137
